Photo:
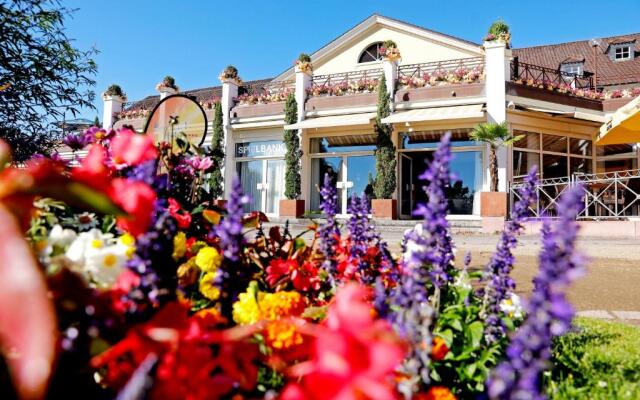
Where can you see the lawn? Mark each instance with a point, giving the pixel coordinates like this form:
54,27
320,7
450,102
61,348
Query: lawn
598,360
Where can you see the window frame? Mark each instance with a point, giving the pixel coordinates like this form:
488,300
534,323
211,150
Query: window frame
619,52
378,57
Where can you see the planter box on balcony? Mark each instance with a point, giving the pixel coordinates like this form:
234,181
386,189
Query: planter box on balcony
612,105
384,208
440,92
291,208
515,89
257,110
348,100
136,123
493,204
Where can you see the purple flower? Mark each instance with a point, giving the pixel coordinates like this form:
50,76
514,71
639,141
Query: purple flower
430,245
549,313
329,232
76,141
498,284
200,163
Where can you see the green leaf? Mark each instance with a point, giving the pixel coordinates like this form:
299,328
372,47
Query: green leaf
447,336
474,332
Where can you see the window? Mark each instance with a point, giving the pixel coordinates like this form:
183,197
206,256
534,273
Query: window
371,53
572,68
622,52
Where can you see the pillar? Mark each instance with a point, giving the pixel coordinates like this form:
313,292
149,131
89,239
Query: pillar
390,70
112,106
229,94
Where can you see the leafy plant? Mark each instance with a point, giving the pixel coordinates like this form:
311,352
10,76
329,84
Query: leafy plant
495,135
304,57
385,153
230,72
389,44
292,157
115,90
498,27
169,81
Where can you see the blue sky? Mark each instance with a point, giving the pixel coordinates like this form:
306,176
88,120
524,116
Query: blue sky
141,41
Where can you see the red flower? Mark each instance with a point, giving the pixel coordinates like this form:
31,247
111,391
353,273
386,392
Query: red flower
436,393
439,349
92,170
353,356
183,220
304,277
131,148
137,199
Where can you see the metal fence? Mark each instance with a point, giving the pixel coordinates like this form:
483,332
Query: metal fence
346,77
534,73
418,70
610,195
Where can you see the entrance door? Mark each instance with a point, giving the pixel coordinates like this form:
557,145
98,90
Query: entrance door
406,186
263,181
274,186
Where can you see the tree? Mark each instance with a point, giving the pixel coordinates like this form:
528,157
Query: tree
217,154
96,122
292,188
42,76
495,135
385,153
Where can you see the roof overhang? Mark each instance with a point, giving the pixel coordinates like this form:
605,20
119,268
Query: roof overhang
333,121
470,111
555,109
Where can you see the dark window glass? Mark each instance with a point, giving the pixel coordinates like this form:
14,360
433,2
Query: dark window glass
523,161
371,53
529,140
554,166
554,143
581,147
343,144
580,165
431,139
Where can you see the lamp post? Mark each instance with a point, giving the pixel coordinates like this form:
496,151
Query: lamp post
595,43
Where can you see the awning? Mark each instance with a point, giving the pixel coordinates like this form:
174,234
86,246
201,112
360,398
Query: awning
436,114
623,125
569,113
334,120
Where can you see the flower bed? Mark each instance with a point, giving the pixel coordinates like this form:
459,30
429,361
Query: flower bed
264,97
133,114
441,77
565,88
159,294
346,87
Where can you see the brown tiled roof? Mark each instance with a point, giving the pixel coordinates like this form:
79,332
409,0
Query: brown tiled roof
609,72
202,94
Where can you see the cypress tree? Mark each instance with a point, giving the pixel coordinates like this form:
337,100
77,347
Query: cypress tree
385,153
292,157
217,154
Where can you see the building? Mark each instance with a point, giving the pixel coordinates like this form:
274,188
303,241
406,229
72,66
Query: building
549,94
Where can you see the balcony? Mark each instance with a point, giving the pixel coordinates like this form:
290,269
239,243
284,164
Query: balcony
344,90
264,100
440,80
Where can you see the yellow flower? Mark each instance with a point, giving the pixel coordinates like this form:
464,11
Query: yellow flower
208,259
282,335
251,308
207,287
179,245
187,273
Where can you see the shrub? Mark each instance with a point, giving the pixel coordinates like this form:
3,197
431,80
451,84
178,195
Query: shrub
115,90
292,157
385,153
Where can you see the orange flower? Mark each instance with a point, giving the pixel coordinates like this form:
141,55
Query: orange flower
439,349
436,393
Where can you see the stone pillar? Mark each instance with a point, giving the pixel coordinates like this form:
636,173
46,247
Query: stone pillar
229,94
303,83
166,91
390,70
497,73
112,106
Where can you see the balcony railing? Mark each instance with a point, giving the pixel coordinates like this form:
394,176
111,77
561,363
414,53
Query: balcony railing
344,83
549,78
266,93
610,195
462,70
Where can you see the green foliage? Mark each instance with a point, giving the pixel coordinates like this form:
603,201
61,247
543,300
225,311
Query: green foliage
43,77
470,358
230,72
498,27
96,121
169,81
292,157
385,153
304,57
115,90
217,154
495,135
597,360
389,43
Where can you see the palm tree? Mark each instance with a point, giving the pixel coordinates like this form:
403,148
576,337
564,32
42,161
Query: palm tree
495,135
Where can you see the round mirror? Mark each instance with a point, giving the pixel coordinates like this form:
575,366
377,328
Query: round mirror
175,115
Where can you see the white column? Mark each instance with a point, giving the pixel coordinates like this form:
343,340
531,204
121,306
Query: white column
497,73
390,70
229,94
166,91
112,106
303,83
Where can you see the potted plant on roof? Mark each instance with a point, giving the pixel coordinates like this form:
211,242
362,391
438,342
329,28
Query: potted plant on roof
114,91
499,32
389,51
292,206
384,187
230,73
168,83
493,203
303,64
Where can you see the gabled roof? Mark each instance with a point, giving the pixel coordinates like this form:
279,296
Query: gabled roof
609,72
336,44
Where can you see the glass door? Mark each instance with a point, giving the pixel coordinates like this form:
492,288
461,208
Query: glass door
274,185
359,179
406,186
252,180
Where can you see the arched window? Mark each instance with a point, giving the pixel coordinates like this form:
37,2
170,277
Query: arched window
371,53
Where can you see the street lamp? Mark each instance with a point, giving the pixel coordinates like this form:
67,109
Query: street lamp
595,43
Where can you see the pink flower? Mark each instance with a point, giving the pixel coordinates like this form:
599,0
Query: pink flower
353,357
131,148
200,163
137,199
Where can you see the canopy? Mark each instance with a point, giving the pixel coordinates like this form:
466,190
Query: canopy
623,126
436,114
334,120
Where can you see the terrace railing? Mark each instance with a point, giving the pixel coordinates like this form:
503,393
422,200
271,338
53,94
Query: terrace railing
346,77
529,72
281,86
610,195
418,70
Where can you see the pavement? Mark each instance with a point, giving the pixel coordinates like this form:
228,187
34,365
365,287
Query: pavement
609,289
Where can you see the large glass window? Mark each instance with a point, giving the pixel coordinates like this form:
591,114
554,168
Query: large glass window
431,139
250,174
467,167
558,156
319,167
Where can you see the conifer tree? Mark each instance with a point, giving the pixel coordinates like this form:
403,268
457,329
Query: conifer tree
385,153
292,157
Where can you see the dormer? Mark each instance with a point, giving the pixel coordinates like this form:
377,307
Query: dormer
573,65
621,49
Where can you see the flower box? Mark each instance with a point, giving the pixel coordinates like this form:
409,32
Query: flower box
291,208
384,208
440,92
493,204
257,110
353,100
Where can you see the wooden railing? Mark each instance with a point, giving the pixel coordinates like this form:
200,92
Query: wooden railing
524,72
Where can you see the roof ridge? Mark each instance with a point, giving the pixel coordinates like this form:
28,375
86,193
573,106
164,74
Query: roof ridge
579,41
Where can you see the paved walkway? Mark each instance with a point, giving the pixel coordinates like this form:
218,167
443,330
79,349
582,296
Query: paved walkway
610,288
